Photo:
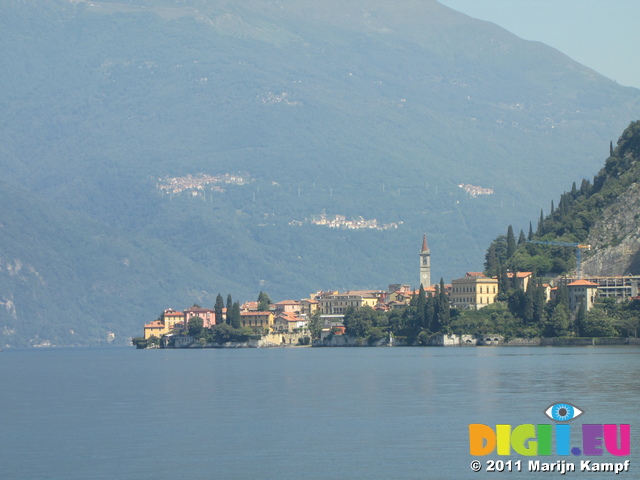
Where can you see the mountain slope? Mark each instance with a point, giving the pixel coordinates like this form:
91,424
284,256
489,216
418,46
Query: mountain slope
364,108
603,214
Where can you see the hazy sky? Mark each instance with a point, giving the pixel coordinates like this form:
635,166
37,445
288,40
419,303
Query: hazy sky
602,34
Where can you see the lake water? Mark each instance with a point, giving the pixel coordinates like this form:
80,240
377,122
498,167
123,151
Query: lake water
295,413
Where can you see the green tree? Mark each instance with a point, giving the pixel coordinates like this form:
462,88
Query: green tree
360,322
492,263
521,238
558,324
235,317
511,242
315,325
229,307
263,302
581,320
421,303
195,326
139,342
540,231
219,309
598,324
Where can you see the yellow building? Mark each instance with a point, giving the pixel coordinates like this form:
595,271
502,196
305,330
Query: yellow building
257,320
473,291
173,319
155,329
338,303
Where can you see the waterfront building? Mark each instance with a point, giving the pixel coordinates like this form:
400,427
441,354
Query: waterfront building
582,291
337,303
257,320
473,291
207,315
288,306
155,329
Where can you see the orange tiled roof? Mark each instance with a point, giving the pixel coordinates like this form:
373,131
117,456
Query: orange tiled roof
582,283
155,324
520,274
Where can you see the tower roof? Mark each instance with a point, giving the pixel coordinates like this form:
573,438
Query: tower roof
425,247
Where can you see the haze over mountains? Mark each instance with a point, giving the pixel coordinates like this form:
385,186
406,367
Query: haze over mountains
368,109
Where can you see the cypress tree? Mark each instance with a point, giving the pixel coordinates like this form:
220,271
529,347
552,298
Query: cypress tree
540,231
229,307
511,242
492,263
421,303
530,236
522,239
581,319
610,148
430,313
263,302
585,186
442,311
218,308
528,307
234,321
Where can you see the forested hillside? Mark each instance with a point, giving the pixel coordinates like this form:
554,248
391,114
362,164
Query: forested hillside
405,112
602,213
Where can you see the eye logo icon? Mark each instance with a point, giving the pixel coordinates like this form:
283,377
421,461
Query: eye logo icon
563,412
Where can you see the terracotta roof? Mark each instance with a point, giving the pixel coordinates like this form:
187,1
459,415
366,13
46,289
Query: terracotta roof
155,324
251,314
474,274
288,302
582,283
174,314
520,274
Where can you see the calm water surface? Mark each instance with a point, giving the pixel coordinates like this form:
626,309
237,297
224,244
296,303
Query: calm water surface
297,413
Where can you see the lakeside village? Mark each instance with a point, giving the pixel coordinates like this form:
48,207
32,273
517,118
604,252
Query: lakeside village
471,311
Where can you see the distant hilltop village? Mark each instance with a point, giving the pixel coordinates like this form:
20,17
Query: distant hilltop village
340,221
327,315
475,191
197,183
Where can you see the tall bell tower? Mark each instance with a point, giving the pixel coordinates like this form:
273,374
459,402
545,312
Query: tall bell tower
425,264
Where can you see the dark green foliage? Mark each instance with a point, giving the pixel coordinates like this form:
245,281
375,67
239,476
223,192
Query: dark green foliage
234,318
577,212
315,325
195,326
365,322
219,309
139,342
224,333
229,308
263,302
511,242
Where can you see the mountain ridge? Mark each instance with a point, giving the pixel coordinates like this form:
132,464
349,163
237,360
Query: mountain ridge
380,114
